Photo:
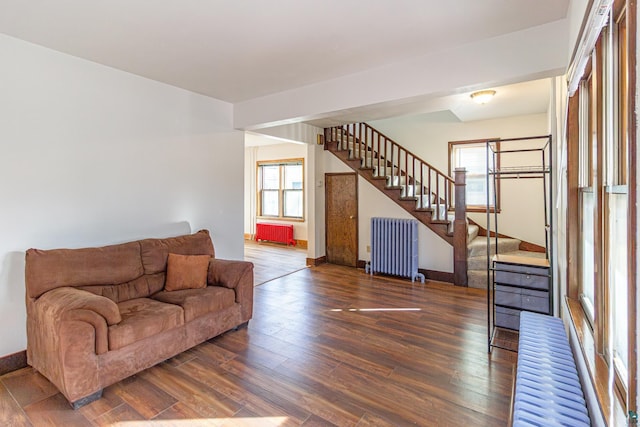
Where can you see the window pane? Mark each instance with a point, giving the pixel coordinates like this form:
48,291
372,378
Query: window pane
618,278
584,136
473,157
293,177
476,191
293,203
587,255
270,203
270,177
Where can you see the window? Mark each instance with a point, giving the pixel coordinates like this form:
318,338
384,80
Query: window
281,189
601,128
472,155
587,194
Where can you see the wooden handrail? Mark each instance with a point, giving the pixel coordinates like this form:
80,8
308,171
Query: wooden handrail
382,158
401,166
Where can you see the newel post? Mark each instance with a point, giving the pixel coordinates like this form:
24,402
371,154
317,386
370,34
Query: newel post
460,229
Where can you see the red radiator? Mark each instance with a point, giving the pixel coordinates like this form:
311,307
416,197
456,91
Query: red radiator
275,233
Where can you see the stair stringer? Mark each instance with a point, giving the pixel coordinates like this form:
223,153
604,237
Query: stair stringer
424,215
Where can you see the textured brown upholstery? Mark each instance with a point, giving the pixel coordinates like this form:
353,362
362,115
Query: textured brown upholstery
186,272
109,265
196,302
98,315
143,318
155,252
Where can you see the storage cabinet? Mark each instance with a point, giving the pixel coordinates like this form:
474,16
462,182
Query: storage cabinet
520,283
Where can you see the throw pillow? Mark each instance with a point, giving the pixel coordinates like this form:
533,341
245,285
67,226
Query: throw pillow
186,272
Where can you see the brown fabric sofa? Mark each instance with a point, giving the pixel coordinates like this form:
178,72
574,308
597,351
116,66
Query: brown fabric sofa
98,315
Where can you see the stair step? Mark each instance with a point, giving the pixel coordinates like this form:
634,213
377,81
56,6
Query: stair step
399,181
472,231
477,263
477,279
385,170
478,246
390,180
477,267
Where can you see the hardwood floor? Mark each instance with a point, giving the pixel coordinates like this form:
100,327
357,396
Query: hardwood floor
328,345
273,260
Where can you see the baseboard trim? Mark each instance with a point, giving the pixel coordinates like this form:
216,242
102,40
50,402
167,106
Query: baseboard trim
13,362
437,276
302,244
313,262
531,247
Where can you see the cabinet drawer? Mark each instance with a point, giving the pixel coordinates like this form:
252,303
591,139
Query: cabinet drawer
535,300
507,295
537,282
508,318
522,279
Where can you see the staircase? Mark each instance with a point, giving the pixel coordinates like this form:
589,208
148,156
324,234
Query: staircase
419,188
477,255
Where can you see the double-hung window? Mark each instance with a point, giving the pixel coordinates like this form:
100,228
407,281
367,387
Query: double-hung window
281,189
472,155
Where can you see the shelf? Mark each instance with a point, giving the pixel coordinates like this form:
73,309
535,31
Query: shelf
518,283
521,260
519,170
519,309
528,288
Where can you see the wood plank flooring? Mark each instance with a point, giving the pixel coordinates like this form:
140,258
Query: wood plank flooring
273,260
328,345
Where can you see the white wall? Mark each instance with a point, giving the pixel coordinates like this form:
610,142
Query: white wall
434,253
259,153
90,156
428,136
575,15
524,55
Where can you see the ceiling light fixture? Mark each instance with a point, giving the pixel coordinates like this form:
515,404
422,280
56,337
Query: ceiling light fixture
483,96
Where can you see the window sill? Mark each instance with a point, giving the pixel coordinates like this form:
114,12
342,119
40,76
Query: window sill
481,209
274,218
600,375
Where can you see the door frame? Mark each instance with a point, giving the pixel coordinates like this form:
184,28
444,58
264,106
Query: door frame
326,229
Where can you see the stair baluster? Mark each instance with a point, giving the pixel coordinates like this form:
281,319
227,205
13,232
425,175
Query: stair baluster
401,175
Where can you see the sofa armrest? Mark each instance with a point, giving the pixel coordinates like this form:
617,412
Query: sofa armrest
60,300
236,275
59,306
229,273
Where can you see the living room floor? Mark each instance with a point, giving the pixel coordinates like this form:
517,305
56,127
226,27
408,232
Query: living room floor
328,345
273,260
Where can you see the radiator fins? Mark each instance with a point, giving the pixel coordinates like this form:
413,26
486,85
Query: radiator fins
394,247
548,391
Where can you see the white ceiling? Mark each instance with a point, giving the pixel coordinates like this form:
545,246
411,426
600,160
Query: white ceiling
240,50
530,97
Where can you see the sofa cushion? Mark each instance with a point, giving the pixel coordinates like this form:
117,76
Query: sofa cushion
141,287
155,252
108,265
142,318
186,272
197,302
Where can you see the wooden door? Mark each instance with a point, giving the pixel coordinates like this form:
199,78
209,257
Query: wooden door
341,218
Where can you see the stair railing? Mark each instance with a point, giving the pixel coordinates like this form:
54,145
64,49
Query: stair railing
433,189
